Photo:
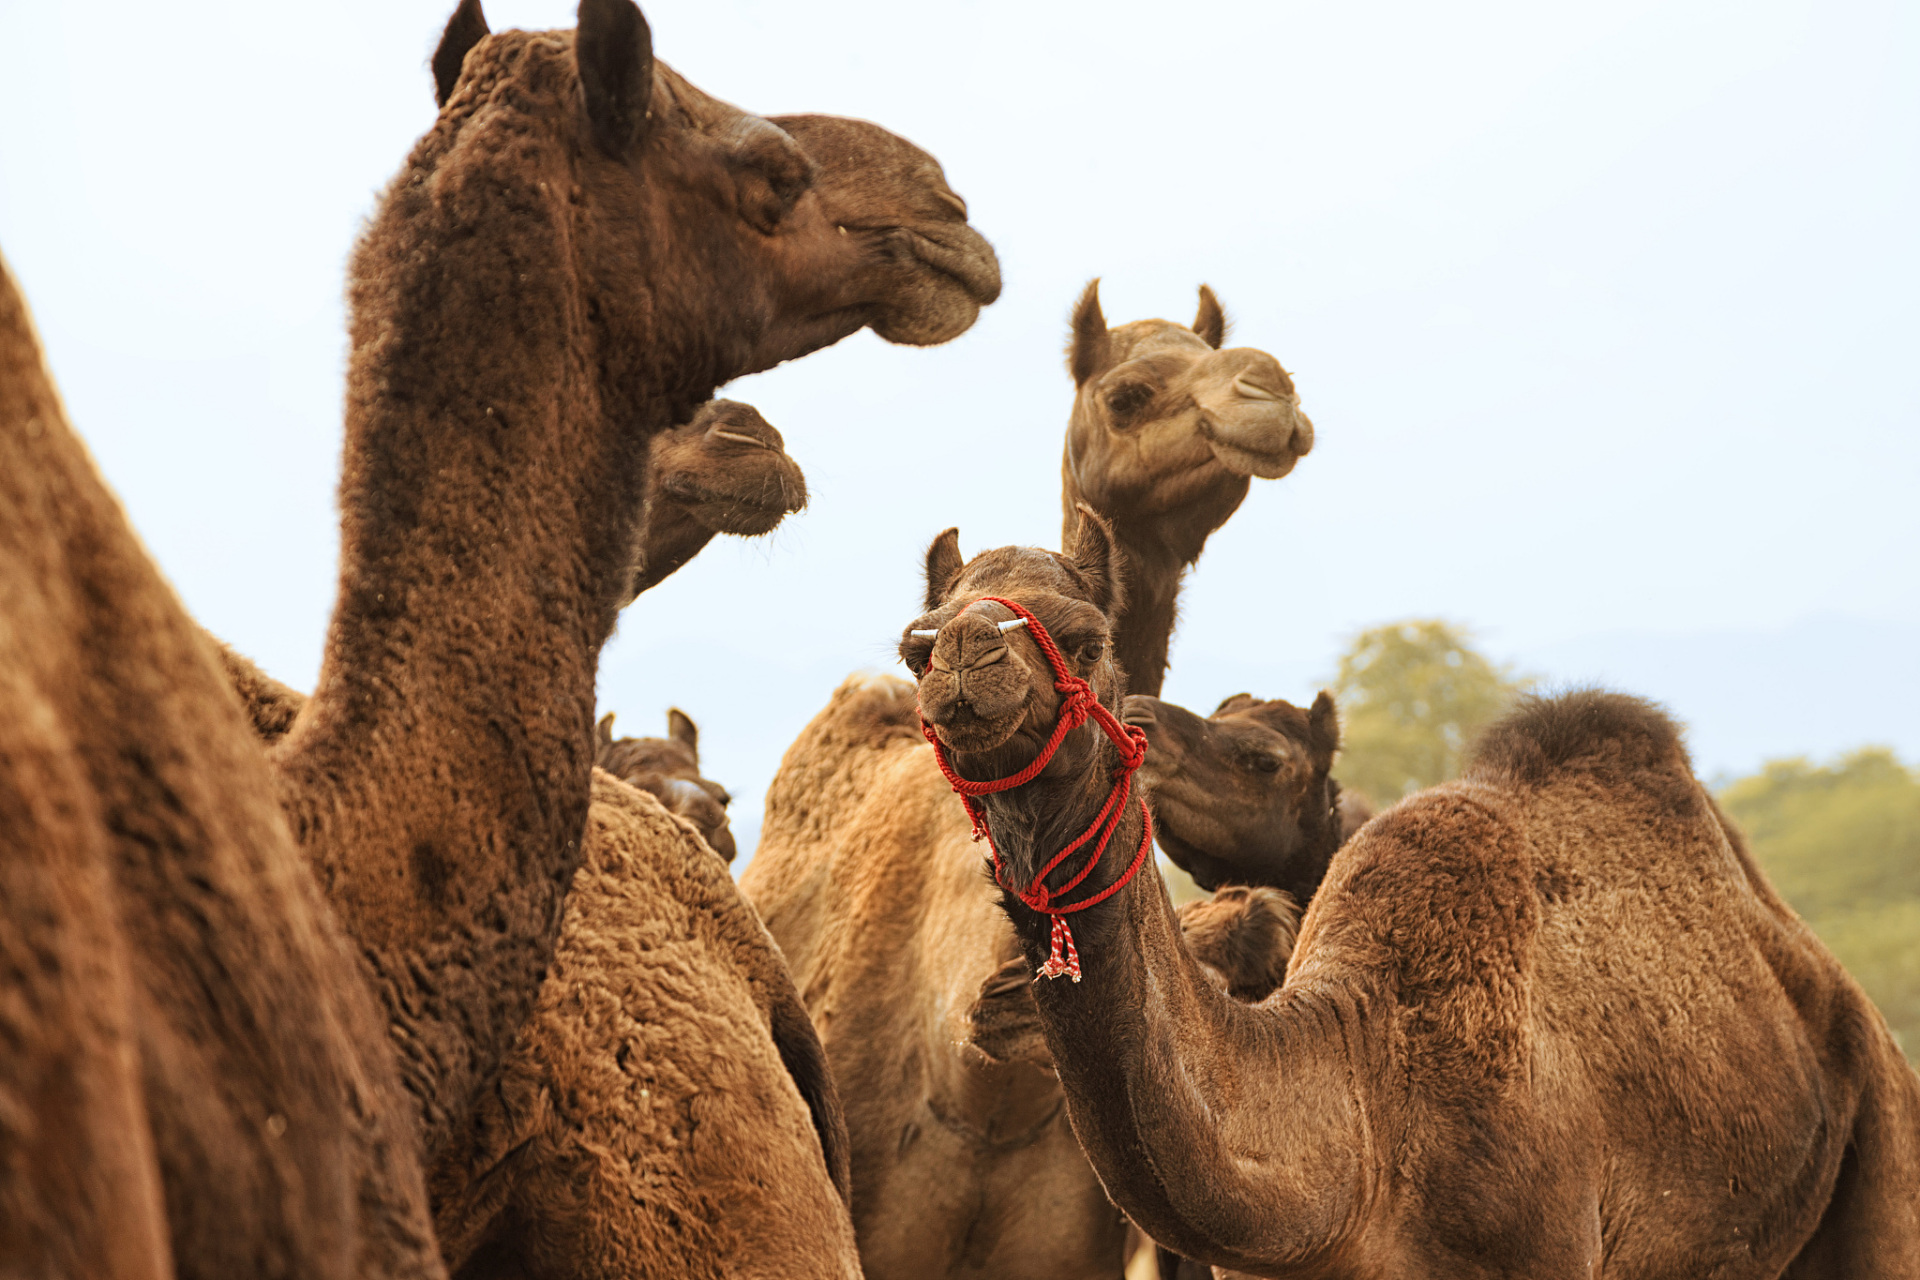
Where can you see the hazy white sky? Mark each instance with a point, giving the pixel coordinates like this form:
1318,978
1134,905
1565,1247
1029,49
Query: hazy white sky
1606,313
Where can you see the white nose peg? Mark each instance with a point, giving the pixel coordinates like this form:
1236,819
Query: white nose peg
1010,625
925,635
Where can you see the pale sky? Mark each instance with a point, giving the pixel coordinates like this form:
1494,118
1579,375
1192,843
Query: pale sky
1607,316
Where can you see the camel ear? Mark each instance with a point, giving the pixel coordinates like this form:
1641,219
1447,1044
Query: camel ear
1323,726
603,733
1088,348
943,566
465,29
682,729
613,50
1095,555
1235,702
1211,322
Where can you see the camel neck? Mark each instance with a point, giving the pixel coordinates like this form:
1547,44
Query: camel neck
490,497
1172,1087
1158,550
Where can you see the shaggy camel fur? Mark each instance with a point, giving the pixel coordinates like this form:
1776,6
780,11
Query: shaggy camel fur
1548,1020
955,1118
668,769
663,1113
668,1108
576,254
1245,795
1167,431
193,1079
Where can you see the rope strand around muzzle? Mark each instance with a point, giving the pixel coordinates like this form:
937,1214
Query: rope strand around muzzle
1079,704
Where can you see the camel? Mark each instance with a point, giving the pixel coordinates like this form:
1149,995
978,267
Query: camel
668,769
726,471
577,253
1168,429
1245,796
573,257
1547,1020
963,1163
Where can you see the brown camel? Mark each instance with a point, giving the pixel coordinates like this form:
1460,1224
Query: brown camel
194,1081
1548,1020
1244,796
1166,433
668,769
963,1163
576,254
726,471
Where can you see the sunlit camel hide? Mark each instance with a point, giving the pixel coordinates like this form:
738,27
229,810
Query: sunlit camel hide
1548,1020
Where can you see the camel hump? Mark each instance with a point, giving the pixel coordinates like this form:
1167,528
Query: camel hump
1580,731
873,707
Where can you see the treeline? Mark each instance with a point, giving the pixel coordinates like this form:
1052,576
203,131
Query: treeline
1841,842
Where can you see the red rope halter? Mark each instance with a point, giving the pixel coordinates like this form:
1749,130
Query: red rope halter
1078,706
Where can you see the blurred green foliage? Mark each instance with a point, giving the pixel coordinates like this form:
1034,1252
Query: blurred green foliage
1412,695
1842,844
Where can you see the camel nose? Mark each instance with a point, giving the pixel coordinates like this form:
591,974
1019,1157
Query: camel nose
966,645
741,424
971,673
1257,375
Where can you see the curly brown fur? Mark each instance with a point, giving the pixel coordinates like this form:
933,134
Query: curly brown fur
665,1111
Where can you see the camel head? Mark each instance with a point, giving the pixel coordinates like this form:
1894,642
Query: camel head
1244,936
728,469
986,688
1245,795
1165,420
731,241
669,769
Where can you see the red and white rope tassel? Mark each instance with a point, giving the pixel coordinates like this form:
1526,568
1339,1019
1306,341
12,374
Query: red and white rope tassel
1078,705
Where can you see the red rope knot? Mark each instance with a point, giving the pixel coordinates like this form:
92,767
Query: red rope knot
1078,705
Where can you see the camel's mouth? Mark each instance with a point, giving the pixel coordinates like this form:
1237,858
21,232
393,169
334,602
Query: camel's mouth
749,505
965,730
1258,438
943,274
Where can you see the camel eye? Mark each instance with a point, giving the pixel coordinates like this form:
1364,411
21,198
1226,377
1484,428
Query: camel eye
1265,763
1092,650
917,654
1128,399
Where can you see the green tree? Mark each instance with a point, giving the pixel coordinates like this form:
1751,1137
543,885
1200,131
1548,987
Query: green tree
1842,844
1412,695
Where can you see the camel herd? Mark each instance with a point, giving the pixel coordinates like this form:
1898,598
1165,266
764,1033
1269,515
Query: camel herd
427,974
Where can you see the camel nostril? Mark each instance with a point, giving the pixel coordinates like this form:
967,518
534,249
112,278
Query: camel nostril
1248,389
952,202
754,441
